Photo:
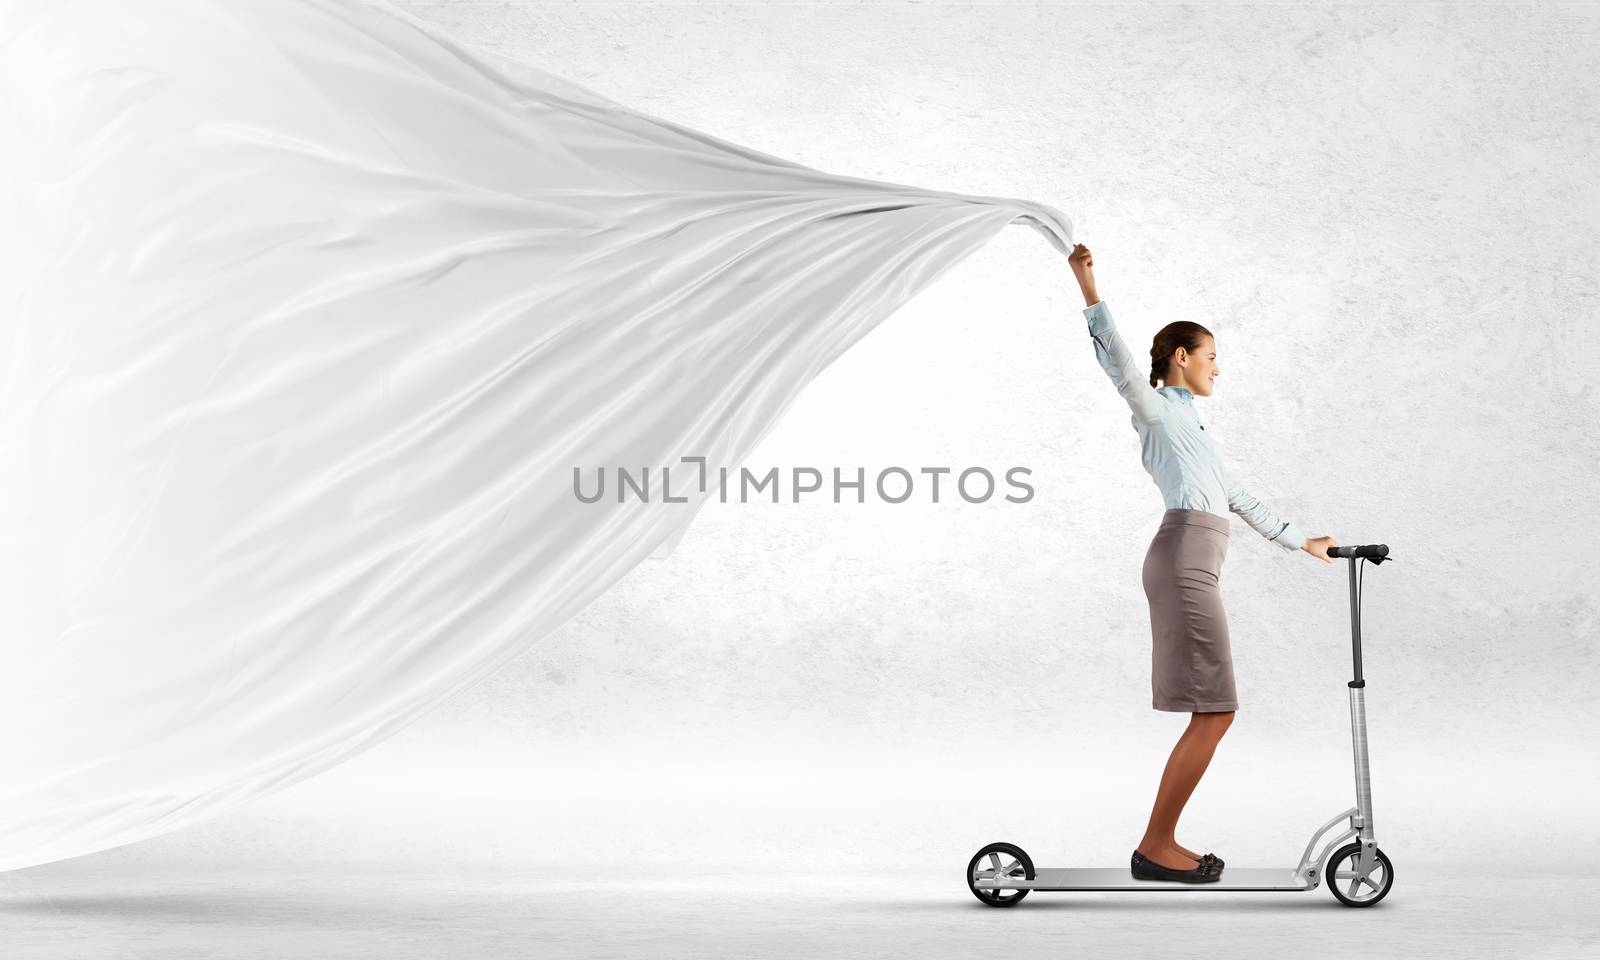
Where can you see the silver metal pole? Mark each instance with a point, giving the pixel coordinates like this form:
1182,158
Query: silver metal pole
1358,734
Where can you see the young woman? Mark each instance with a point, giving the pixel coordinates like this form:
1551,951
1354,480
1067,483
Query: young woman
1191,661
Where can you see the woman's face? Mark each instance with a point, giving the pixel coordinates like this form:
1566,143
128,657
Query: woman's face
1201,367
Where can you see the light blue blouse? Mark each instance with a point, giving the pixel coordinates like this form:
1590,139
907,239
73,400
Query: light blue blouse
1179,452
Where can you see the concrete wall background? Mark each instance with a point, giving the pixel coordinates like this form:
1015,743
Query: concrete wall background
1386,214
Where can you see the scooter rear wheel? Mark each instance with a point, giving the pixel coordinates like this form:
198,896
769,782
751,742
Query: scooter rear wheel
999,860
1358,892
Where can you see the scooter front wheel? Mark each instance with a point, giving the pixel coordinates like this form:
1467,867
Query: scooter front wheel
1003,860
1358,891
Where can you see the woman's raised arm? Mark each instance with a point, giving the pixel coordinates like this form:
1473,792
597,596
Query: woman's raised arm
1114,356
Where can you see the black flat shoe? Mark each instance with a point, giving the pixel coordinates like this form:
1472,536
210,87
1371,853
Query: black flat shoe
1146,869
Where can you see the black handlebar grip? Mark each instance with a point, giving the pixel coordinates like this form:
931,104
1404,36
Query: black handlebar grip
1362,550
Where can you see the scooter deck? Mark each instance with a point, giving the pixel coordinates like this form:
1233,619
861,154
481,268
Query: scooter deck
1121,878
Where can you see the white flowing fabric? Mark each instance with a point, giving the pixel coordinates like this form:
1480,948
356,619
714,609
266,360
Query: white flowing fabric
309,313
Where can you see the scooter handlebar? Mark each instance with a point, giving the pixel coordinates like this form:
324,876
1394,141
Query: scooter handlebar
1361,550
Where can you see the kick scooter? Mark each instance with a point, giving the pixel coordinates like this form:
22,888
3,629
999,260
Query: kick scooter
1359,873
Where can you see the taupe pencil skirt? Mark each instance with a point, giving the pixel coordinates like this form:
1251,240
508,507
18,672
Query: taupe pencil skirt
1191,662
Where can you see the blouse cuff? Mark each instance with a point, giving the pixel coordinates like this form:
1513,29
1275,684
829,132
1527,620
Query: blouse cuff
1290,537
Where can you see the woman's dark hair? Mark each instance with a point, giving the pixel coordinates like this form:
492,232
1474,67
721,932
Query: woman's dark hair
1179,333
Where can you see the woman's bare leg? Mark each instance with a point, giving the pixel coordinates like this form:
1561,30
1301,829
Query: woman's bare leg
1184,768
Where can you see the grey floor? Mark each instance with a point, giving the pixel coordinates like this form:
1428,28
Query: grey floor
82,909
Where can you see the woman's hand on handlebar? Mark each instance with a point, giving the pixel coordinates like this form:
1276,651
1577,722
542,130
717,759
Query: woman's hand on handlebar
1318,547
1082,263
